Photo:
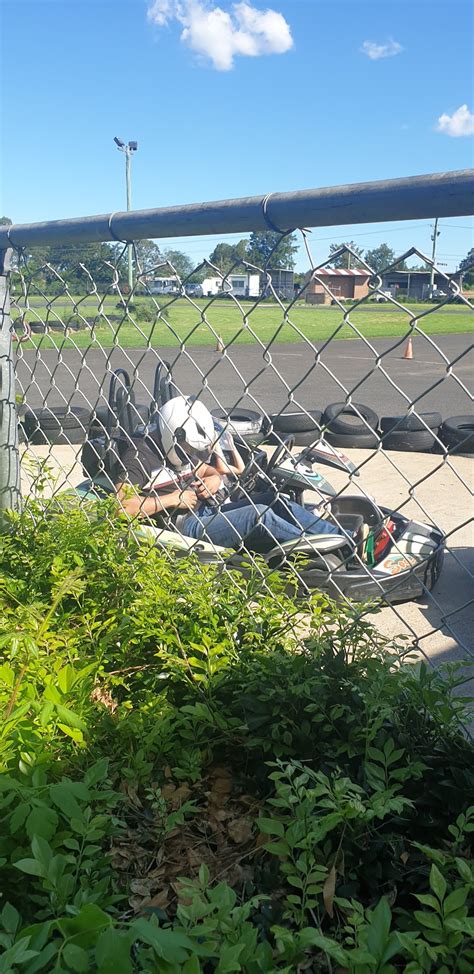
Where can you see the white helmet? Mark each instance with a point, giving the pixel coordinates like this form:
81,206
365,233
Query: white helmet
187,431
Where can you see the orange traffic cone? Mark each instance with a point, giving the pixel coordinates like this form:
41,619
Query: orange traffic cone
408,353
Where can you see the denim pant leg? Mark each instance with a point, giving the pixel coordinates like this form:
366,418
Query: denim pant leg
229,525
259,525
307,520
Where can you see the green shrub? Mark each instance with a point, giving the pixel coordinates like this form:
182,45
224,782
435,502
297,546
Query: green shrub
159,714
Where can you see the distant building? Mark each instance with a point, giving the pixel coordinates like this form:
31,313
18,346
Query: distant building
414,284
239,285
282,283
341,283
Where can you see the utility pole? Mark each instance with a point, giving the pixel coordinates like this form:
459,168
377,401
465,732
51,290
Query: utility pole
128,149
434,238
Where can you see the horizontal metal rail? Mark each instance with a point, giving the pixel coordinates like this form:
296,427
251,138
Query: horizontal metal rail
410,198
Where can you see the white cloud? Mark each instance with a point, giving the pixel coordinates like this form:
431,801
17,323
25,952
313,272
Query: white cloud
220,36
376,51
461,122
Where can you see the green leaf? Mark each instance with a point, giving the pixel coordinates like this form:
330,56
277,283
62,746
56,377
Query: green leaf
10,918
98,772
171,945
112,952
455,900
72,732
229,955
85,926
17,954
65,801
379,928
277,848
19,816
464,870
31,867
42,821
76,957
270,826
465,925
429,920
437,882
70,718
427,900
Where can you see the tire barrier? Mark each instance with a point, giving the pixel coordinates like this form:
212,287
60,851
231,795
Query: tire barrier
57,425
298,421
349,419
413,423
457,434
406,441
244,423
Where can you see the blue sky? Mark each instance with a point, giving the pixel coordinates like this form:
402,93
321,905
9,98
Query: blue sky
323,112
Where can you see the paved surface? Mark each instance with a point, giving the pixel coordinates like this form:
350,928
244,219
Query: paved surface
83,377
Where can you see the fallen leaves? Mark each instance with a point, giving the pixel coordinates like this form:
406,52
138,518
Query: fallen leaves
221,833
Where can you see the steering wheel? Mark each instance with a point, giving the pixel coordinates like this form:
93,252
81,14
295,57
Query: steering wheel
252,472
285,446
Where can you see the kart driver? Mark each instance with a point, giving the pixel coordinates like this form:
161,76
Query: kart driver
173,476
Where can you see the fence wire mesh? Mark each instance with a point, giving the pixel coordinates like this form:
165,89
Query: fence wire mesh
358,387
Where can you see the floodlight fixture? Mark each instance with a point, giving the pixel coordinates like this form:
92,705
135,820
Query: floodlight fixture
133,146
119,142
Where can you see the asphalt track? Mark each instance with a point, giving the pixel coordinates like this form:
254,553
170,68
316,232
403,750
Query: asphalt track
438,377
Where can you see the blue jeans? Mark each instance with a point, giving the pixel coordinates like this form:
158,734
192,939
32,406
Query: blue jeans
262,523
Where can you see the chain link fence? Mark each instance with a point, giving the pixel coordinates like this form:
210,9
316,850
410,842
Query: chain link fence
347,396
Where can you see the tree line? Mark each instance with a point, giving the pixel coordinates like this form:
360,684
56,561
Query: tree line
81,267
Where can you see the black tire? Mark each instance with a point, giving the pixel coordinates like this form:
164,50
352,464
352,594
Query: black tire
307,437
58,437
56,425
56,418
244,421
421,441
457,433
297,421
361,441
414,423
345,420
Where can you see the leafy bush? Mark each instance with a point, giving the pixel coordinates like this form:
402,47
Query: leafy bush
164,719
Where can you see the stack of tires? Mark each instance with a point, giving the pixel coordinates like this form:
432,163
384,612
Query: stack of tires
351,426
414,433
246,424
63,425
304,425
457,434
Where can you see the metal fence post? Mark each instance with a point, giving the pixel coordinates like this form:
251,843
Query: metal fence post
9,456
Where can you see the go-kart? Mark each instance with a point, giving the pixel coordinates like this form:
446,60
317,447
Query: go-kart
377,554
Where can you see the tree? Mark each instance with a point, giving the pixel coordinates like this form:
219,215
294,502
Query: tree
182,264
148,255
227,256
380,257
466,268
260,247
346,260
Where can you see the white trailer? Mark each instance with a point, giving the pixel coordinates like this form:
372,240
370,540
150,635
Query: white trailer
163,285
240,285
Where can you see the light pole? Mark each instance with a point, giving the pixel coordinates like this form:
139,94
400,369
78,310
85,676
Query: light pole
128,149
434,238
